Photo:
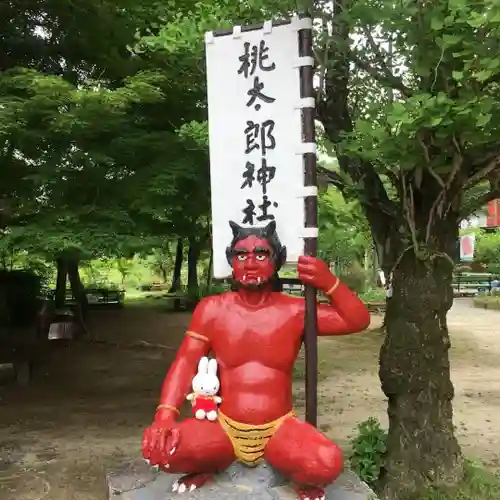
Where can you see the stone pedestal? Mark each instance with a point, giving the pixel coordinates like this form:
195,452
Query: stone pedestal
137,481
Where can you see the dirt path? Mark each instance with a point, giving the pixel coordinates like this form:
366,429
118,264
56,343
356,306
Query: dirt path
475,362
86,410
351,392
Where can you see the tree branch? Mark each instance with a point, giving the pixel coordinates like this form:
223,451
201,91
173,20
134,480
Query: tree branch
323,60
483,171
479,155
479,202
333,111
385,66
333,178
386,78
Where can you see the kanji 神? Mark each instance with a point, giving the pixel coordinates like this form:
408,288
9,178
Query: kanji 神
248,175
265,174
253,57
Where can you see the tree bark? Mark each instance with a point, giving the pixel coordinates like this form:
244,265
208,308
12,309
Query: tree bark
192,261
179,257
77,287
62,273
163,271
210,270
412,234
415,371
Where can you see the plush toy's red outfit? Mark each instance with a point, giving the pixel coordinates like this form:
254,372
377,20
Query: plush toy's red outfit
205,403
255,335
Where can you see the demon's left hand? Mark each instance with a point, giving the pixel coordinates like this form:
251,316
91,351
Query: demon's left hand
315,272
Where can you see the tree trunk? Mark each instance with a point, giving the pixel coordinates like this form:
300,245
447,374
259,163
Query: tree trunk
179,257
163,271
123,269
192,261
210,270
77,287
415,372
375,265
62,273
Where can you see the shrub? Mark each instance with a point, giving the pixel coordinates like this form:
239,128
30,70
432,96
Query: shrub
374,295
355,278
368,450
215,289
487,302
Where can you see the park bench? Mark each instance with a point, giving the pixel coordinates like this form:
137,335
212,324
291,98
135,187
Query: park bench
469,284
179,299
96,296
155,286
105,296
292,286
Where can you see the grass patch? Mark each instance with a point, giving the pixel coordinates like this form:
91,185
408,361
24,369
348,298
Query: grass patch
341,354
151,299
325,360
137,298
373,295
478,484
487,302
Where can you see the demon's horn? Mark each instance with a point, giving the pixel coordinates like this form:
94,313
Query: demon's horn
270,229
235,228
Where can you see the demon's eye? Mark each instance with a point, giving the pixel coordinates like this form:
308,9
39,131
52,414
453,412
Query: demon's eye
242,257
261,256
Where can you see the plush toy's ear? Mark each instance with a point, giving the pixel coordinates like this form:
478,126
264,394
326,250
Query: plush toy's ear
212,367
203,365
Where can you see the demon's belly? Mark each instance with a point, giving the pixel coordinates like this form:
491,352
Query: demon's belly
254,393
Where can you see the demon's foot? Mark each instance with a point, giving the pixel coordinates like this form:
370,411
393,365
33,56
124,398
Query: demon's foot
310,493
190,482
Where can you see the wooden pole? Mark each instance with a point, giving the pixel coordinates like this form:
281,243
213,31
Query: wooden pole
311,221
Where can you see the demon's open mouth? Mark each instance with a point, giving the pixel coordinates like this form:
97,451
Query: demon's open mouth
253,280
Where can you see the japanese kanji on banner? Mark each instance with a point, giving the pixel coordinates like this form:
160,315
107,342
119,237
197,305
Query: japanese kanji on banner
256,162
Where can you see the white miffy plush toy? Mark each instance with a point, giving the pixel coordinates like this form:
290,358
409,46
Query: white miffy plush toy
204,399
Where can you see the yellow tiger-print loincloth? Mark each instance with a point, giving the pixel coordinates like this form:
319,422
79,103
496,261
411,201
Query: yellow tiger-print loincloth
249,441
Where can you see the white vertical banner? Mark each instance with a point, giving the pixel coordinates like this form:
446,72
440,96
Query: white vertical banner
255,135
467,244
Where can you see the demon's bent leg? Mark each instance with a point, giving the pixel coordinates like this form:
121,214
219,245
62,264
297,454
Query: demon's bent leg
306,456
203,450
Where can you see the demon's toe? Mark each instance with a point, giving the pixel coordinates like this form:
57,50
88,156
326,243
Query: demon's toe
310,493
190,482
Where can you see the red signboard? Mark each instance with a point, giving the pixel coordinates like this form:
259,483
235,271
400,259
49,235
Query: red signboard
493,217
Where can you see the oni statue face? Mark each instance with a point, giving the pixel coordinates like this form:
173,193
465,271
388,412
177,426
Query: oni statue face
252,262
255,255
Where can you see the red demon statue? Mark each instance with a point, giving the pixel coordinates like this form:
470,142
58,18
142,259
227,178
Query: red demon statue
255,334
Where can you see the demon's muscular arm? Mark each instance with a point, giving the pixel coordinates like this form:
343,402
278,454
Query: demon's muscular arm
177,383
346,313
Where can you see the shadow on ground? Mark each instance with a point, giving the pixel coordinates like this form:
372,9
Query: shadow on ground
89,403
